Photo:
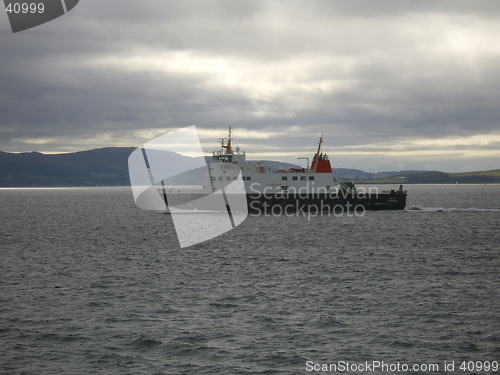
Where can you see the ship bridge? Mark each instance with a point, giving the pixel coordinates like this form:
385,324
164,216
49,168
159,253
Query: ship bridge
226,154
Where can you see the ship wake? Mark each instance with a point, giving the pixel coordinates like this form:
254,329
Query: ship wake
450,209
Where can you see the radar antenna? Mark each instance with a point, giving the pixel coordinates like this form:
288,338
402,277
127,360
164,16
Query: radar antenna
228,145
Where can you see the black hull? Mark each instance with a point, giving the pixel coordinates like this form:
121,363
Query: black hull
276,204
291,203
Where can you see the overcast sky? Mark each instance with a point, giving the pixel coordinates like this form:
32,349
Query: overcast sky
390,84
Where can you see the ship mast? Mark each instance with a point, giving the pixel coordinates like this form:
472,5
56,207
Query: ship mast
316,159
228,145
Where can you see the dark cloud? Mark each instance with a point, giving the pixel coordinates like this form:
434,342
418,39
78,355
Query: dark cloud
362,73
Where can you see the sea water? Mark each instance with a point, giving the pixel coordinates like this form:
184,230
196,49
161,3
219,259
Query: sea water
91,284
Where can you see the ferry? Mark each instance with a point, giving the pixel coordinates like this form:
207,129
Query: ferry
281,191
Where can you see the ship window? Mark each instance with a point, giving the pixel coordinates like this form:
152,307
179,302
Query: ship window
211,178
302,178
284,178
221,178
248,178
311,178
294,178
228,178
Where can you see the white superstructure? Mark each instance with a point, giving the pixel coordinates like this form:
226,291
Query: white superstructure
258,178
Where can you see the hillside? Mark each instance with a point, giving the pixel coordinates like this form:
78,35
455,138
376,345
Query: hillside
436,177
106,166
109,167
98,167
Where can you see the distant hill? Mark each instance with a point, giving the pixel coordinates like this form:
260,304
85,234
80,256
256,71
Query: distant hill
398,173
435,177
109,167
353,174
105,166
98,167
